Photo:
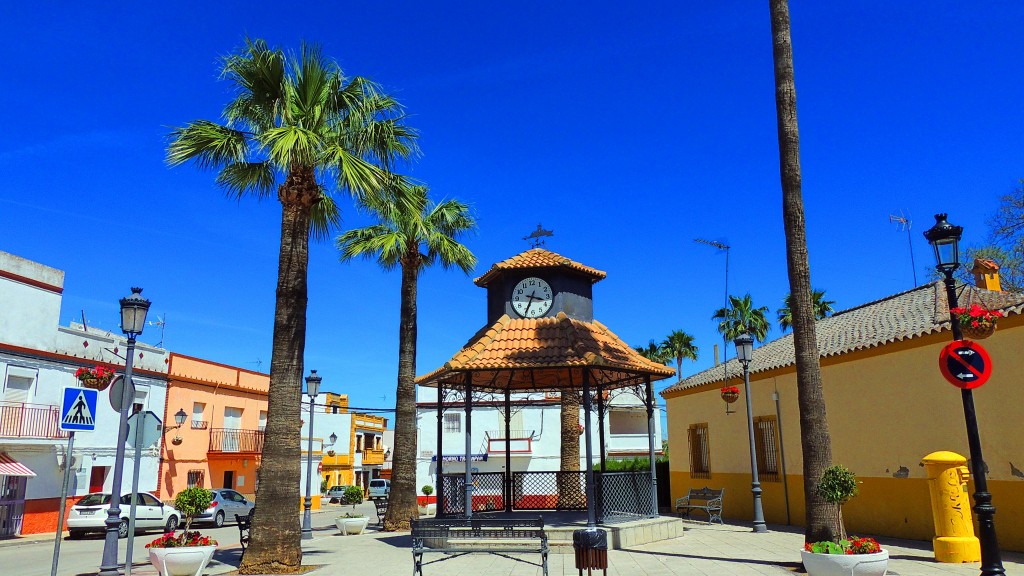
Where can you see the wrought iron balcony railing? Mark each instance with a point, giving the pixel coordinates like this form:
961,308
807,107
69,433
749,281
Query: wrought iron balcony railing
21,420
230,440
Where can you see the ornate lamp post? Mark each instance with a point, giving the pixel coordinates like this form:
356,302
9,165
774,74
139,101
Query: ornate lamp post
312,388
133,319
744,353
945,238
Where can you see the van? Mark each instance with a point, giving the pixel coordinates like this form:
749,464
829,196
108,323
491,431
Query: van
380,488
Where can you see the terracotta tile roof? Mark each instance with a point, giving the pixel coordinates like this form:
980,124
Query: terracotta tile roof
538,258
545,353
911,314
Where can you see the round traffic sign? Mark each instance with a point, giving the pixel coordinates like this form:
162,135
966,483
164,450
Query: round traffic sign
320,467
965,364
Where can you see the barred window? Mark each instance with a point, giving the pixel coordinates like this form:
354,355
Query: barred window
195,478
700,462
766,441
453,423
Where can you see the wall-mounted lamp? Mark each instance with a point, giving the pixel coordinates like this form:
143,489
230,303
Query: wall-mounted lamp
179,418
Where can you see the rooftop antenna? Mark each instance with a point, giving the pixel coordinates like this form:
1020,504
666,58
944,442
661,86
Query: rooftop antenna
160,321
536,237
725,349
903,222
85,327
259,364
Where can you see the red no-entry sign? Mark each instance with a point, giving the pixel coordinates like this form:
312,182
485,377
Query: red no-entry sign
965,364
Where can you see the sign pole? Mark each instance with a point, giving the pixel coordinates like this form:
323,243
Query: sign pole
141,420
68,459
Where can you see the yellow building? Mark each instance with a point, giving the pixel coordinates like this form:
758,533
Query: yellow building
888,406
364,459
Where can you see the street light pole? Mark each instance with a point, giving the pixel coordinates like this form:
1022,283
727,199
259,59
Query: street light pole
312,388
744,352
944,238
133,318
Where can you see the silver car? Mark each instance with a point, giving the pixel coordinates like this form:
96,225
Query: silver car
226,504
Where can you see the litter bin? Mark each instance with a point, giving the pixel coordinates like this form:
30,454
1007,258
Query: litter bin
591,548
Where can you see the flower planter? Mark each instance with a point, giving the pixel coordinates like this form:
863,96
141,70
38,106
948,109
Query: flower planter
730,397
181,561
95,383
428,509
349,526
980,332
845,564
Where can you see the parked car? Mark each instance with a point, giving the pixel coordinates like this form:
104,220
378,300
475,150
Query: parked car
226,504
90,514
336,495
380,489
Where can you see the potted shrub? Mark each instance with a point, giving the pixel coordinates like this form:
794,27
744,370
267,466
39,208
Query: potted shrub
428,508
350,522
187,553
844,556
976,322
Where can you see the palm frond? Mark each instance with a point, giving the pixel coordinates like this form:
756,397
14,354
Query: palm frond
324,217
239,178
209,144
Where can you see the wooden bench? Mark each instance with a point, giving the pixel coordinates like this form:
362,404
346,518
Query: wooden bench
456,537
381,504
244,522
706,499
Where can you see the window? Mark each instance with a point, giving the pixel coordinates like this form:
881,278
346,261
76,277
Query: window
140,399
766,441
700,466
195,478
149,500
627,422
453,423
198,408
18,388
263,421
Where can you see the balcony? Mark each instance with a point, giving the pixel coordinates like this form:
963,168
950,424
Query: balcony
21,420
235,441
373,457
518,442
200,424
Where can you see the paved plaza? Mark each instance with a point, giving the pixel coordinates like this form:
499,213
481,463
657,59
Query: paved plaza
703,550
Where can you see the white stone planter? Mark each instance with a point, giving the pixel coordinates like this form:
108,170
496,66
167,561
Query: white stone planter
428,510
350,525
845,564
186,561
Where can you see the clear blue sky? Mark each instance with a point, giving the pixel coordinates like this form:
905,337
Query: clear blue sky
628,130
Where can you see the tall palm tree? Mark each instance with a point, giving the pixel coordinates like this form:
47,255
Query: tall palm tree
412,233
654,352
815,440
679,345
822,309
297,129
741,316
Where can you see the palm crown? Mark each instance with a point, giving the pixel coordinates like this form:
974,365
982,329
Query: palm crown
679,345
741,316
822,308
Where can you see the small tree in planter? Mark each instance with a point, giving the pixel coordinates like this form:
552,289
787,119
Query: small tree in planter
837,487
854,555
427,490
353,496
190,502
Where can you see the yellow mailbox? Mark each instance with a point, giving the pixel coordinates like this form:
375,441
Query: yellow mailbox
951,508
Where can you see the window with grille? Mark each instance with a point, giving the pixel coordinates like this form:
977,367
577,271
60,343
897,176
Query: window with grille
700,462
766,441
195,478
453,423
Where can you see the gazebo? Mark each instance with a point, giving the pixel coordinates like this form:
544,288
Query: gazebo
559,348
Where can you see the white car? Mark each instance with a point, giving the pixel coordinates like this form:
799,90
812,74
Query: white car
90,514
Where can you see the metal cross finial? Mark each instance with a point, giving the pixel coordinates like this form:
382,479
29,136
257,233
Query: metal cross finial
535,237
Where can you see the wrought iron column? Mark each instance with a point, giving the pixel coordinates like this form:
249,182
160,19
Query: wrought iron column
439,469
307,503
650,441
469,444
600,423
591,512
508,450
108,565
755,483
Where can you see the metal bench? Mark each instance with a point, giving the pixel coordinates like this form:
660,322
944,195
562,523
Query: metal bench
706,499
244,522
381,504
456,537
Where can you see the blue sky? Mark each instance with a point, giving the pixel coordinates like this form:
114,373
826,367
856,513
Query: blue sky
630,129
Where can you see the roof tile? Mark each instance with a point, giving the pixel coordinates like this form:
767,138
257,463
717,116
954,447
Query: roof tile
538,258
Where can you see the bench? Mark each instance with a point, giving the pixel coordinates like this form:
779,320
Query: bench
706,499
456,537
382,510
244,522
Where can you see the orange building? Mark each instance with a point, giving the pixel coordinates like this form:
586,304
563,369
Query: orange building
359,458
219,444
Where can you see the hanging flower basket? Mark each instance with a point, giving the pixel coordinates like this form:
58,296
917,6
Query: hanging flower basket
97,378
730,394
976,322
581,429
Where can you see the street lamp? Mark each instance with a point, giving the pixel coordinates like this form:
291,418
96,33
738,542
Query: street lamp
179,420
312,388
945,238
333,438
133,318
744,353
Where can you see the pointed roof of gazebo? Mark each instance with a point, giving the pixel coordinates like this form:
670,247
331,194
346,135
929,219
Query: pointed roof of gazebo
538,258
526,354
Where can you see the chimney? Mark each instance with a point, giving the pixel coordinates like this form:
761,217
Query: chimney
716,354
986,274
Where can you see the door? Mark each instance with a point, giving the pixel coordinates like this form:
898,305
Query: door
232,429
96,478
12,504
154,511
229,478
13,409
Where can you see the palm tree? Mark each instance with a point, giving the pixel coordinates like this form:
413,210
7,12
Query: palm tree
412,233
815,440
654,352
679,345
740,317
297,129
822,309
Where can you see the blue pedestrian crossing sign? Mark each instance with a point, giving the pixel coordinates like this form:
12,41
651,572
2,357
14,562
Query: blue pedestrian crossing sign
78,410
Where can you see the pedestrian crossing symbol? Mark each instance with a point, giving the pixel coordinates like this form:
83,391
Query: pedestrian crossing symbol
78,410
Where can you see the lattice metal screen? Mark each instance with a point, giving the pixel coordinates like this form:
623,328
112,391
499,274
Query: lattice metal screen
549,491
624,496
488,492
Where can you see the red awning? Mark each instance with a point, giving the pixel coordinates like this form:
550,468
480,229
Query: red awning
11,467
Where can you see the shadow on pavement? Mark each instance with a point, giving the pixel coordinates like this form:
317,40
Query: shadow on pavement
398,541
787,565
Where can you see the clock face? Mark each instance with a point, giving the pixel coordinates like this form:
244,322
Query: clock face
531,298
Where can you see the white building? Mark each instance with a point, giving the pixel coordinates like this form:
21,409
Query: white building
38,358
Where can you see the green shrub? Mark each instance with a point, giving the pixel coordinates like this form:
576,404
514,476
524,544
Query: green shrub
427,489
837,486
353,495
323,486
192,502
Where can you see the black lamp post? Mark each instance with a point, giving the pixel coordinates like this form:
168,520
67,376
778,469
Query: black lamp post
945,238
312,388
744,353
133,318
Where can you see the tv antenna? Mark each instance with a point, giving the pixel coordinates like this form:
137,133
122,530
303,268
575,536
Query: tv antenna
259,365
903,222
160,321
725,349
536,237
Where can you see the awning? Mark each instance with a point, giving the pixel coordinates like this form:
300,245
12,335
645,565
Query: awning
11,467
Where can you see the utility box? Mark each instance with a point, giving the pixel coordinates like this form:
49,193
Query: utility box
951,508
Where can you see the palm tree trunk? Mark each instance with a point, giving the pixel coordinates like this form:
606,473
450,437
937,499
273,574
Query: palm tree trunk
815,440
402,502
274,547
568,485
